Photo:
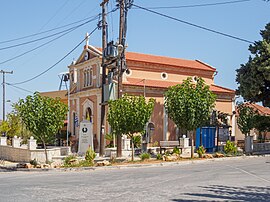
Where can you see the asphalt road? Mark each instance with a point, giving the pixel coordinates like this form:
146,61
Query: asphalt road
225,180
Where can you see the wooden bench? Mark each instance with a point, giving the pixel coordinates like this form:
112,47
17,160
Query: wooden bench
168,145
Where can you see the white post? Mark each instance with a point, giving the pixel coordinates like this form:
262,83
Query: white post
32,143
3,141
16,142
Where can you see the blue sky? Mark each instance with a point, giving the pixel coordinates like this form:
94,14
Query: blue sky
147,33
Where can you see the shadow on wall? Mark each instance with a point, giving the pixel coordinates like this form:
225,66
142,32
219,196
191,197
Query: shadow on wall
226,193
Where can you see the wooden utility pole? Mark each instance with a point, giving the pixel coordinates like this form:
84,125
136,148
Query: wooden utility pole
121,64
104,45
4,92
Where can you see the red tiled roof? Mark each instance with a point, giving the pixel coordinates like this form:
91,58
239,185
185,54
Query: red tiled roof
166,84
261,110
194,64
163,60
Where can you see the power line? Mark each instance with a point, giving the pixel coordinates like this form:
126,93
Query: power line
194,25
45,37
198,5
40,74
23,89
50,30
46,43
56,28
56,13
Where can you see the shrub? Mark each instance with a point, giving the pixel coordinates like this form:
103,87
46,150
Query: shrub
90,155
144,156
155,144
167,153
159,157
176,150
201,151
137,141
109,137
34,163
230,148
67,160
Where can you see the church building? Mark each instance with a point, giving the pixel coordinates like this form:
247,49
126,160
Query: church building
147,75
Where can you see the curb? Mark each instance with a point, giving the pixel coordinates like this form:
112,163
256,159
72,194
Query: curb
117,167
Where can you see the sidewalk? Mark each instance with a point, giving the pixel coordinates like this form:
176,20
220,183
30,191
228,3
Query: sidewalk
12,166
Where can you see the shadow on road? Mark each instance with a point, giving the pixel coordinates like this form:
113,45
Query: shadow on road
220,192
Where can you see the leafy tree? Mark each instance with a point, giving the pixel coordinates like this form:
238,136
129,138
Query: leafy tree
4,127
245,119
254,76
262,124
43,116
13,126
190,105
129,115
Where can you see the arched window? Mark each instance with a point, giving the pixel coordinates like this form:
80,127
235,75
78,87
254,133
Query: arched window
84,78
88,115
88,77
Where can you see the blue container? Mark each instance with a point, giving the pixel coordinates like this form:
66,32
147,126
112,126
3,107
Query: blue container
208,138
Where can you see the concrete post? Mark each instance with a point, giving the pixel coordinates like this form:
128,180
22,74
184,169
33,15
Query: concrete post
184,142
249,144
3,141
16,142
32,143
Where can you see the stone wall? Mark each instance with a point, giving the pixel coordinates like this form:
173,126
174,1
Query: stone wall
17,153
263,148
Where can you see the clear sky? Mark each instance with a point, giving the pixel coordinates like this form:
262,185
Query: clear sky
147,33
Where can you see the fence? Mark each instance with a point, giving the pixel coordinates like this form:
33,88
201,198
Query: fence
24,153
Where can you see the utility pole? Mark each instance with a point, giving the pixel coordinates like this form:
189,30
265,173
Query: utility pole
120,65
104,45
4,92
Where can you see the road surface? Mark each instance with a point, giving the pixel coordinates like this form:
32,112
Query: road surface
245,179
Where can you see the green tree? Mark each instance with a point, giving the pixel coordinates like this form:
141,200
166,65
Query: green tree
190,105
262,124
43,116
14,126
129,115
254,76
4,127
245,119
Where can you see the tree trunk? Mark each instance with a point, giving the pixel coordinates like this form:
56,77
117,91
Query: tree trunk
192,143
119,145
45,149
264,137
132,148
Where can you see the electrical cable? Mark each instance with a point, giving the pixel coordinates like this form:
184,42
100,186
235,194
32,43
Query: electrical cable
198,5
40,74
192,24
45,37
39,33
23,89
55,14
46,43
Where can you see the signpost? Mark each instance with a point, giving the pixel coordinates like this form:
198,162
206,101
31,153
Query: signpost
86,137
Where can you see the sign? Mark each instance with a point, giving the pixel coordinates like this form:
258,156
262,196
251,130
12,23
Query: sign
85,137
223,134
